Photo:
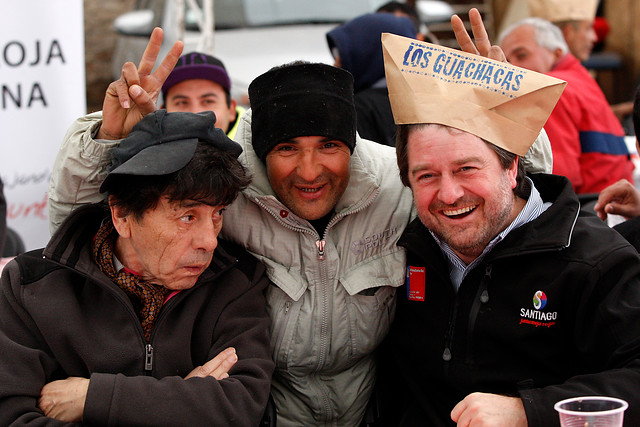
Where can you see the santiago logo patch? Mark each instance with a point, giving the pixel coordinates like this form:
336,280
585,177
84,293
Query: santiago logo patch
539,300
536,316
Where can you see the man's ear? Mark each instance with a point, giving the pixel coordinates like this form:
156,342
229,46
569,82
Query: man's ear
513,172
232,107
557,53
121,221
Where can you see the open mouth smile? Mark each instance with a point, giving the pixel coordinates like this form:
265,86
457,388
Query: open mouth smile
312,193
310,190
459,213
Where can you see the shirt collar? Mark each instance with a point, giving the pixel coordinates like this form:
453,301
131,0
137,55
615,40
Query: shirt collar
119,266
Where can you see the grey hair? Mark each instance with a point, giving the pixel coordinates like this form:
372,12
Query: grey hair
546,34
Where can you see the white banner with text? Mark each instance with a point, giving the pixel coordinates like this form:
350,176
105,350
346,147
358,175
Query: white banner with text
42,91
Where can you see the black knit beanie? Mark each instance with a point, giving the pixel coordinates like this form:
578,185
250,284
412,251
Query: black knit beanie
301,99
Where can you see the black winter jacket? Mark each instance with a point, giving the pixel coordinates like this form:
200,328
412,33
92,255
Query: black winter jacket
552,312
60,316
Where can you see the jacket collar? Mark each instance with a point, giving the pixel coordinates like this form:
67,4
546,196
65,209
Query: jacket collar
71,243
561,217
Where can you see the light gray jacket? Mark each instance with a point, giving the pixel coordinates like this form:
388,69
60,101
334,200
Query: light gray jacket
329,309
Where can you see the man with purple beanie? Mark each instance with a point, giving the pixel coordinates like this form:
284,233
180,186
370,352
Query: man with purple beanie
199,82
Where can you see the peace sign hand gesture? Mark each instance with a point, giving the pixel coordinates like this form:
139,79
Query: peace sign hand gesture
135,93
482,44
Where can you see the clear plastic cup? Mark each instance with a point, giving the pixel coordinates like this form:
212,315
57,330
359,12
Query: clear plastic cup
591,411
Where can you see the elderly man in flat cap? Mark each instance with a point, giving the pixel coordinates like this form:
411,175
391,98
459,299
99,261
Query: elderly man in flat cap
135,313
514,298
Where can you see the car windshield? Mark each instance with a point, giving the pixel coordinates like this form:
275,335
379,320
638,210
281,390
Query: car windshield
257,13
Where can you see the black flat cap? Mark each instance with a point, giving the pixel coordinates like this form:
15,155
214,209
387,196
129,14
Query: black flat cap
163,143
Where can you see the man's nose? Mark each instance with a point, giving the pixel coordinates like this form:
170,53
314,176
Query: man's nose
309,167
450,190
206,236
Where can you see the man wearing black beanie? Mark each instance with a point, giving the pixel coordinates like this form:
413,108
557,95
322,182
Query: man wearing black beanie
323,213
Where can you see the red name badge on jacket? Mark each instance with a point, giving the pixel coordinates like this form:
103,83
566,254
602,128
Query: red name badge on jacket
415,283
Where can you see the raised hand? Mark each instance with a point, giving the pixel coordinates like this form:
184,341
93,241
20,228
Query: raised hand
482,44
135,93
620,198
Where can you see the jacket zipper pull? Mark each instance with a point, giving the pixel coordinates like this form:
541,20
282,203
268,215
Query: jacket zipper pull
484,296
320,246
148,358
487,271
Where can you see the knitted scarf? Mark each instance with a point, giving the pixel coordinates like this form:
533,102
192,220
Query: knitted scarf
147,298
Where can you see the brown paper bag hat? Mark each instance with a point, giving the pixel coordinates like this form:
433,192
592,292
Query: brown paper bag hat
564,10
495,101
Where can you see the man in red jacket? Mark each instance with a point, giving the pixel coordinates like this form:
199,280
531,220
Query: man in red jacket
586,138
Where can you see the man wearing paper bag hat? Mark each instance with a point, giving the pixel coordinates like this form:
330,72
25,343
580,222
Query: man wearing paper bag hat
575,20
512,299
586,137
